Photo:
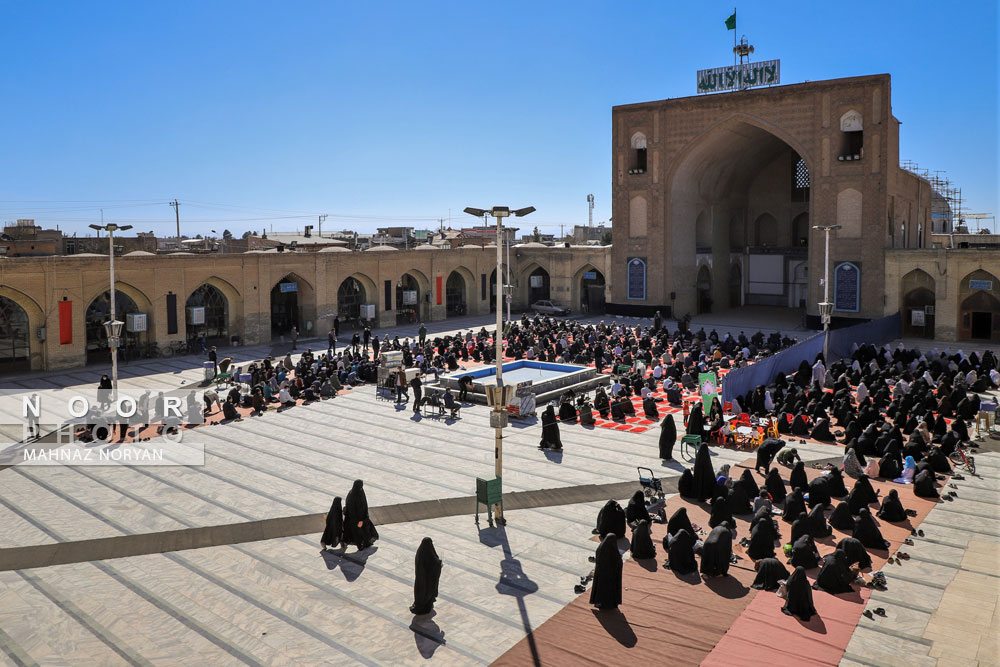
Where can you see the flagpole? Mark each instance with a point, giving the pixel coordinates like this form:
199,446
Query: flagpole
734,37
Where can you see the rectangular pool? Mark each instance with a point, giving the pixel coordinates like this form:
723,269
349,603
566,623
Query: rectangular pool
520,371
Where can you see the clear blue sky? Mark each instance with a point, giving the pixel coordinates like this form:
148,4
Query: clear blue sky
396,112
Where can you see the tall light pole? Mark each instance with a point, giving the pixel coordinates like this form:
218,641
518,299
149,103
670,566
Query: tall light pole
500,396
113,327
826,307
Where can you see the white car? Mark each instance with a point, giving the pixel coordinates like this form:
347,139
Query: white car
548,308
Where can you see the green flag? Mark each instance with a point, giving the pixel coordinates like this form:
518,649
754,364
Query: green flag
731,22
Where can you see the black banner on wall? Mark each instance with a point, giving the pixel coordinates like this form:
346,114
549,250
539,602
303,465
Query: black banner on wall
171,313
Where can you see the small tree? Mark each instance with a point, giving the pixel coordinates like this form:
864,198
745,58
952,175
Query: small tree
226,234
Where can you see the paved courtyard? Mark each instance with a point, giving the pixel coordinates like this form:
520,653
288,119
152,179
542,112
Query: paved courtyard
257,590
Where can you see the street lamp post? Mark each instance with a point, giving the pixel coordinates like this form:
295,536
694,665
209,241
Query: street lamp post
826,307
113,327
500,396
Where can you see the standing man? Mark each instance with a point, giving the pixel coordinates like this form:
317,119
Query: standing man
213,356
367,338
336,326
422,333
418,392
375,348
295,336
355,343
331,343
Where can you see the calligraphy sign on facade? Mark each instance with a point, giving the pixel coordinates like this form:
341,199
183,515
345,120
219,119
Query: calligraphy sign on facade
847,288
739,77
635,280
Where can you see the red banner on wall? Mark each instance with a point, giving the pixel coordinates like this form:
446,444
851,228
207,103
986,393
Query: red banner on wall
439,279
65,322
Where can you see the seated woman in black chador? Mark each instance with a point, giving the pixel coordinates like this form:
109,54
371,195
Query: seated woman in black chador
835,576
567,413
864,484
841,518
818,527
602,404
761,542
794,505
775,486
804,553
739,499
717,551
685,485
642,541
923,485
800,527
749,484
680,551
769,572
819,492
866,532
720,513
611,520
636,510
798,596
855,552
679,521
835,484
892,509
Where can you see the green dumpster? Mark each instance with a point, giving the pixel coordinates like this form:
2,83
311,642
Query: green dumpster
489,493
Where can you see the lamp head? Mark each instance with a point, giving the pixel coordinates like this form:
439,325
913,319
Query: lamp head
113,328
521,212
478,212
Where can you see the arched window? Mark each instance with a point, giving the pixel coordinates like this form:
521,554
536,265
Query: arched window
97,314
350,298
14,336
216,326
638,154
765,231
852,136
800,179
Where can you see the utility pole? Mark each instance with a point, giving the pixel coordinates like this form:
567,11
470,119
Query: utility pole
177,216
562,236
321,219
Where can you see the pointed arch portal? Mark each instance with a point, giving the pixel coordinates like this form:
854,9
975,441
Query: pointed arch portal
734,189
